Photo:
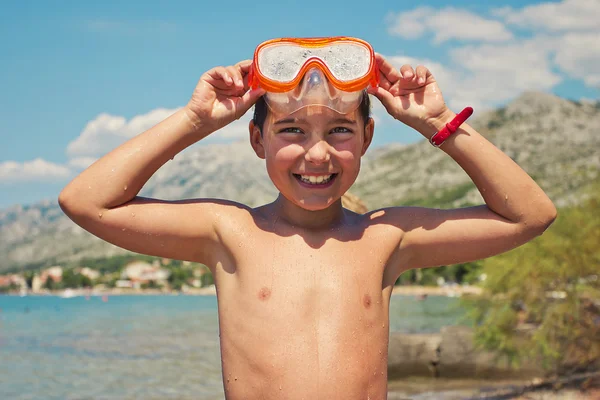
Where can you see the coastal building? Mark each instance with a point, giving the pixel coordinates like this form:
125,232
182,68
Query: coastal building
55,273
140,272
13,280
36,283
90,273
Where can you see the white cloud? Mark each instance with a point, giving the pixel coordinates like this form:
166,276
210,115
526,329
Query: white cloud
447,24
236,130
497,73
409,24
450,81
563,41
81,162
483,76
578,54
565,16
107,131
34,170
569,29
101,135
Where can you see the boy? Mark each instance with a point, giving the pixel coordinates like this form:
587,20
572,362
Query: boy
304,285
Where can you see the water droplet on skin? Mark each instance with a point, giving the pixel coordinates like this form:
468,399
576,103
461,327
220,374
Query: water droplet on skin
505,197
125,188
279,387
123,229
133,214
99,215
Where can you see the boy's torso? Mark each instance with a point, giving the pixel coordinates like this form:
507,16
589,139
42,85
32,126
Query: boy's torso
304,316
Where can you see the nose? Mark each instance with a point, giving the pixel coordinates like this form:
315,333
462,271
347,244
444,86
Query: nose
318,153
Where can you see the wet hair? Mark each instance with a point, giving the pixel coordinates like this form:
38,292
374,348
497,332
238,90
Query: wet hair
261,110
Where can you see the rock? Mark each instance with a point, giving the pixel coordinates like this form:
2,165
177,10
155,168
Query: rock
459,358
449,354
413,354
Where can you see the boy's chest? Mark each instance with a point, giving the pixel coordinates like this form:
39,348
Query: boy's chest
267,270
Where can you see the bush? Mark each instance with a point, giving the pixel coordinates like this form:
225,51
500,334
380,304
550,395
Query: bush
542,299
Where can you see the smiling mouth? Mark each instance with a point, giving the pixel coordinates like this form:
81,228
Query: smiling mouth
320,180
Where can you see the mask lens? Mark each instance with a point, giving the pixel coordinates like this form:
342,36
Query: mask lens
314,89
346,61
281,62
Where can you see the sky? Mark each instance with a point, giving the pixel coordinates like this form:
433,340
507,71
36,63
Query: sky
79,78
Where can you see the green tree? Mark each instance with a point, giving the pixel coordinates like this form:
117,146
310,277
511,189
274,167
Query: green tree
542,299
207,279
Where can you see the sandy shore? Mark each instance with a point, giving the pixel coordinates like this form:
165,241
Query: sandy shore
450,291
421,291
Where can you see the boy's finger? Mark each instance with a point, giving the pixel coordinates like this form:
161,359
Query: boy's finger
220,74
407,72
236,75
384,82
248,100
387,69
422,74
383,95
244,66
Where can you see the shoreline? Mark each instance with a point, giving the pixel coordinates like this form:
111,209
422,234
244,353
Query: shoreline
419,291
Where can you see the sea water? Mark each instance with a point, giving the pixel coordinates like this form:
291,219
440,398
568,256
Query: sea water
138,347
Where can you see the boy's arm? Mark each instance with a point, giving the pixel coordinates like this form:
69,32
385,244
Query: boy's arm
103,198
516,208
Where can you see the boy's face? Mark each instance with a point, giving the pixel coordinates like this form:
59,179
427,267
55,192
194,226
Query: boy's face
313,144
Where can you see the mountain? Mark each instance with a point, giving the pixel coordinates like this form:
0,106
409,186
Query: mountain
553,139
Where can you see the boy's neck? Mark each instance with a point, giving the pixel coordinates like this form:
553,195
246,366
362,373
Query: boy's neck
294,215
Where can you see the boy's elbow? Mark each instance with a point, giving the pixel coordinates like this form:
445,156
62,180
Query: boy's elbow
544,217
68,201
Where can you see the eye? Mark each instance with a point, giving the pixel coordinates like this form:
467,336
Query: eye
291,130
340,129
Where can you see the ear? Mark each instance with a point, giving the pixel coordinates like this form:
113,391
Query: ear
256,140
368,136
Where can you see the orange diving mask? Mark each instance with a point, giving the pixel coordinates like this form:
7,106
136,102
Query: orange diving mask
331,72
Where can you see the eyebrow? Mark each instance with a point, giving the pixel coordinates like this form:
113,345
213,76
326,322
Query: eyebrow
341,120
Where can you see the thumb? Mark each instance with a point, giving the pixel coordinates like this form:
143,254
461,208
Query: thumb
248,99
385,97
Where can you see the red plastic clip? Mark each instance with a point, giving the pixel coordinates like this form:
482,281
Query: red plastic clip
440,136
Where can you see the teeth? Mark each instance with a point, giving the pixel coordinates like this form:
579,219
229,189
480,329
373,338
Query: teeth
316,180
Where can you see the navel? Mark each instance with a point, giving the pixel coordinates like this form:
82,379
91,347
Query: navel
367,301
264,294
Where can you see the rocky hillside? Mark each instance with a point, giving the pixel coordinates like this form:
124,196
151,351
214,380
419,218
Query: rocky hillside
551,138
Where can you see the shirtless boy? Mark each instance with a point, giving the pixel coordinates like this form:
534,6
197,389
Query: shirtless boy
303,284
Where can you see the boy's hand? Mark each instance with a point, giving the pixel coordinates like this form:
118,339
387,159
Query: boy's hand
222,96
411,96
